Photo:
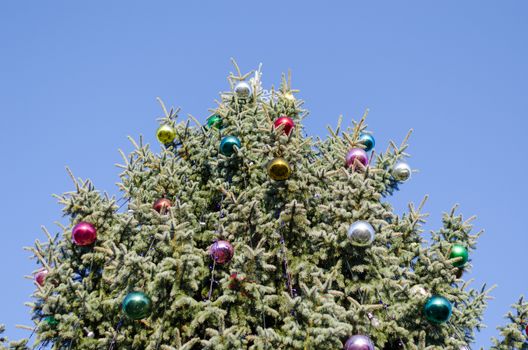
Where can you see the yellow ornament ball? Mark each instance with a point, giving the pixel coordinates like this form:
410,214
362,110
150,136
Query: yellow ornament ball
166,134
279,169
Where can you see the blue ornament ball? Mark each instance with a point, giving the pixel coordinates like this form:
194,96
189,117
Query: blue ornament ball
438,309
368,141
227,145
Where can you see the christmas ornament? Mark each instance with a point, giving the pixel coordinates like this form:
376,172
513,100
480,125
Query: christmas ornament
356,153
222,252
52,321
162,205
278,169
227,145
90,334
289,96
368,141
401,172
137,305
84,234
214,121
373,320
437,309
459,272
40,277
419,291
526,330
361,233
166,134
359,342
242,90
459,251
286,123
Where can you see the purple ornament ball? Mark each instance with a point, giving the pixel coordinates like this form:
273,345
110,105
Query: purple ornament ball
359,342
84,234
222,252
356,153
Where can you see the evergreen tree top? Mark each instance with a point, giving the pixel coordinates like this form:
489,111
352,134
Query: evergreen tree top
246,234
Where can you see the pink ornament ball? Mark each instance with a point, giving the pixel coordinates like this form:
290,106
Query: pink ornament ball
356,153
40,277
84,233
222,252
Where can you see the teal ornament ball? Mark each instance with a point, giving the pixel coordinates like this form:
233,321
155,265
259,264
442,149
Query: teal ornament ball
368,141
137,305
227,145
438,309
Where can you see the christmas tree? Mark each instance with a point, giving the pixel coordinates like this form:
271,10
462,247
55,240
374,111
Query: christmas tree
243,233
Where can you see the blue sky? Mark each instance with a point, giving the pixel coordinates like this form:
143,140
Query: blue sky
77,78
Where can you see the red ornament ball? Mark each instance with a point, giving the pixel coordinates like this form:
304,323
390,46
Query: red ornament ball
222,252
84,233
356,154
162,205
40,277
287,124
526,330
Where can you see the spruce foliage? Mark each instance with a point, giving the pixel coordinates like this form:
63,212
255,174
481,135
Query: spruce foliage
295,281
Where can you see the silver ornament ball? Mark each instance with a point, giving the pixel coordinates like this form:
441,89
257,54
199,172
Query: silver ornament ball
373,320
361,233
419,291
243,90
401,172
90,334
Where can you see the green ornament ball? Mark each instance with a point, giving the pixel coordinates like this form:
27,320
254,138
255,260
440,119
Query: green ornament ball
438,309
227,145
459,251
214,121
52,321
137,305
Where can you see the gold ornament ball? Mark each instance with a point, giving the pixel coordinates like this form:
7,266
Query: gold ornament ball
279,169
166,134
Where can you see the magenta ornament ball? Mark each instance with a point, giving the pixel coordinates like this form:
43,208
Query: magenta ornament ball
84,233
222,252
356,153
40,277
359,342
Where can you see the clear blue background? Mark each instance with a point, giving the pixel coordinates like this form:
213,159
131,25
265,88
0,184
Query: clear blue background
77,78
